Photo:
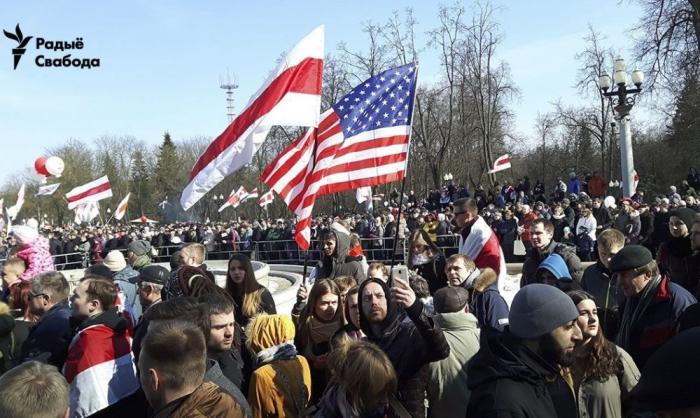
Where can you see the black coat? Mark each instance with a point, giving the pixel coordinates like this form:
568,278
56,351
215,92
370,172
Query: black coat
410,345
434,273
508,380
48,341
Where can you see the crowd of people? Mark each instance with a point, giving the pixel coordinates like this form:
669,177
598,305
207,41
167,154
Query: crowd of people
605,322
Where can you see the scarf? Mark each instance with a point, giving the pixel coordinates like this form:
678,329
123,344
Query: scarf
321,332
631,316
284,351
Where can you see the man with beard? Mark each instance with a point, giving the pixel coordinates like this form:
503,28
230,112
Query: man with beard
519,373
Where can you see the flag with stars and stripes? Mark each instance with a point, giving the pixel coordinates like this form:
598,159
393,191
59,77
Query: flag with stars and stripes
363,140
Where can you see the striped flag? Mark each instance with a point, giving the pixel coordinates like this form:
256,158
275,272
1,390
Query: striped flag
91,192
122,207
86,212
251,195
235,198
501,163
363,140
47,190
99,369
291,96
266,198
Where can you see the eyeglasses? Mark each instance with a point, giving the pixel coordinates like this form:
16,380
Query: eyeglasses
36,295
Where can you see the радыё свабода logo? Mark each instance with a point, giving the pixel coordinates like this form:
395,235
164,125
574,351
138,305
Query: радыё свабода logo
21,43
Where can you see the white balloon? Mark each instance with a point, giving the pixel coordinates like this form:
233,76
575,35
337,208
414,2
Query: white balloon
609,202
55,166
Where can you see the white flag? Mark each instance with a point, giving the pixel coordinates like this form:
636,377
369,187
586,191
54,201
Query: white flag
364,194
14,210
47,190
86,212
121,208
501,163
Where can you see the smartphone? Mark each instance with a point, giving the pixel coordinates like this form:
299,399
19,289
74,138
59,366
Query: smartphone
401,272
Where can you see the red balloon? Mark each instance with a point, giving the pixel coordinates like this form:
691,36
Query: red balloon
40,166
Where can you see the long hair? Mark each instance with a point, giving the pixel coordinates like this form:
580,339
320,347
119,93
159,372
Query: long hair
420,235
248,295
320,288
365,373
603,359
19,302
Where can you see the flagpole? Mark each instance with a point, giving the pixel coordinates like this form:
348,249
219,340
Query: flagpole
306,265
403,182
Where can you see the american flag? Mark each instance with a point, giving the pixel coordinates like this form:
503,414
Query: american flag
363,140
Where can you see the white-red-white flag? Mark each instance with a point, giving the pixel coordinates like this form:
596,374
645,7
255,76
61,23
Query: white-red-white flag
363,140
234,198
91,192
13,211
251,195
501,163
122,207
266,198
47,190
291,96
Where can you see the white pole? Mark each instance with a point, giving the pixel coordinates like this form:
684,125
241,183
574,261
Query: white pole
626,157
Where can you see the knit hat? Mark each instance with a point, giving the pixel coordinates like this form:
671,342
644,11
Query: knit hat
630,257
686,215
25,234
139,247
115,261
538,309
450,299
670,377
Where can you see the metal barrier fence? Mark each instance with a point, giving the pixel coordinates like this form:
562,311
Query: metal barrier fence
272,252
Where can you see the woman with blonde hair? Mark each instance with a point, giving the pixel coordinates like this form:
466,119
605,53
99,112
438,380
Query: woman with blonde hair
319,320
251,297
280,385
364,381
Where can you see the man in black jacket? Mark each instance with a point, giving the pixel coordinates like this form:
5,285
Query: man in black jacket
518,373
543,245
409,344
48,340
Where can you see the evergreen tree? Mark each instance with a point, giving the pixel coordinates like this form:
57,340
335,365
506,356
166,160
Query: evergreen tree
685,125
168,177
140,185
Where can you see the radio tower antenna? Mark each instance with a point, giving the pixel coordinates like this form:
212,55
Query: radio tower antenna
229,84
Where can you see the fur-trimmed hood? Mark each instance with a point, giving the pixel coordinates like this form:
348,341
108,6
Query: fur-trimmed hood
487,277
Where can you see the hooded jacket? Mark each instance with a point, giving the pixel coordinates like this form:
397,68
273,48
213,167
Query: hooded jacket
37,257
508,380
556,265
337,264
447,385
409,345
487,304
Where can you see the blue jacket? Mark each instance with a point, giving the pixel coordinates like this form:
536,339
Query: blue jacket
574,186
48,340
487,305
126,280
658,324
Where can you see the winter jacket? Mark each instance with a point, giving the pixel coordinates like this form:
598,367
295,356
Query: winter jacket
36,257
598,281
487,304
630,225
508,380
48,340
602,399
448,393
603,218
337,265
409,346
534,258
276,387
215,375
126,280
674,259
658,324
574,186
207,401
597,187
